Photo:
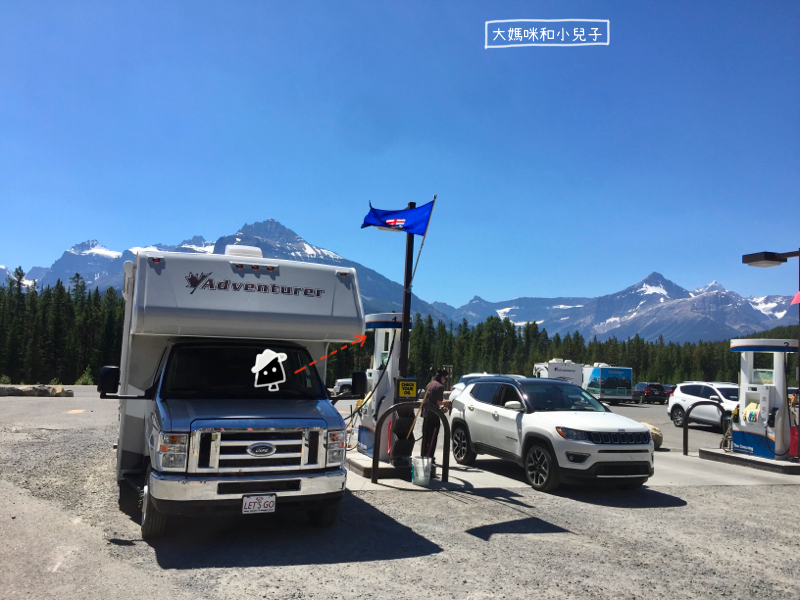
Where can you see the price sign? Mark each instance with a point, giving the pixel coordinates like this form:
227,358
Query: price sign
407,389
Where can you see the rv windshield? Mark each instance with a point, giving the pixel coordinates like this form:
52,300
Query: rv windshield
241,371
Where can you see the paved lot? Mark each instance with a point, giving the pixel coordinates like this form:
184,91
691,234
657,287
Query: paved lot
688,534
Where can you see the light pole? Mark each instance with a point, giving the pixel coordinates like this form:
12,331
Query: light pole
773,259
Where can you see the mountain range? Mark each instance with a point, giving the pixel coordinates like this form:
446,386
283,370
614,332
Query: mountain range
653,307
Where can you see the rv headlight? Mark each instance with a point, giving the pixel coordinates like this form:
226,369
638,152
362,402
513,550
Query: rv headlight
337,445
572,434
171,453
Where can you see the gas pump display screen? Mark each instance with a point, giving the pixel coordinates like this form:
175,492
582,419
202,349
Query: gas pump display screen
763,377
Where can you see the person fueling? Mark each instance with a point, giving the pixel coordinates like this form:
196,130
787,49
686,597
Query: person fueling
434,395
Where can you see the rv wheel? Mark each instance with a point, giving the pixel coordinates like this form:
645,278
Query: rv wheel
154,524
324,516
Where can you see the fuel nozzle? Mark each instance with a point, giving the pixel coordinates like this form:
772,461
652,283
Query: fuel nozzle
771,418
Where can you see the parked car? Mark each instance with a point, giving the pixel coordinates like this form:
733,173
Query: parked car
649,391
668,389
464,381
343,386
725,395
556,431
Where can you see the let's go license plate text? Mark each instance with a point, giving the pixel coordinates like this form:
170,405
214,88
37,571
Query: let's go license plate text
258,504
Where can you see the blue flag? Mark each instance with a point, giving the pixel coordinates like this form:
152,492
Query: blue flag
409,220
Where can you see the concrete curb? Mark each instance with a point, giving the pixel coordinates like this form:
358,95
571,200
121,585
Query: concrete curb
753,462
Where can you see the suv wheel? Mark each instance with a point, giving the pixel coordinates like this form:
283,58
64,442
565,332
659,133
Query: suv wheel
541,469
462,446
678,415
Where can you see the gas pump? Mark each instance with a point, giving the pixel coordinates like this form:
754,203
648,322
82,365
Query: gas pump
388,388
763,426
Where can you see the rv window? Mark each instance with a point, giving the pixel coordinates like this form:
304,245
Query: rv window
241,371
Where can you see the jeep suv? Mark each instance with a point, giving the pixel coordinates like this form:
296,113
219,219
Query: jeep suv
556,431
725,395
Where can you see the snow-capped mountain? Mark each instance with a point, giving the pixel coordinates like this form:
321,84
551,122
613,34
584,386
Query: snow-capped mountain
714,286
653,307
36,273
101,267
5,274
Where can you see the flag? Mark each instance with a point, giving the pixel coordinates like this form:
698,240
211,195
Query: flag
796,299
409,220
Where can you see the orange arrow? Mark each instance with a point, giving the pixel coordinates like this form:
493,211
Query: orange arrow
360,339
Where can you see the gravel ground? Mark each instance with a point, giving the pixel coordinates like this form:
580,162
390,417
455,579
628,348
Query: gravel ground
69,539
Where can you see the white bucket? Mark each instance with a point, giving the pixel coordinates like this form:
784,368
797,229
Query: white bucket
421,471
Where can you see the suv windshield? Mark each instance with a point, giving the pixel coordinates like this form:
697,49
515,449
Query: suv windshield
655,386
552,397
248,371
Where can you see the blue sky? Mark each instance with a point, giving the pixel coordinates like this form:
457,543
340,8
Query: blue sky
559,171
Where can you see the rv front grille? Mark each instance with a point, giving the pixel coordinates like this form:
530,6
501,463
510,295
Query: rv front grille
252,451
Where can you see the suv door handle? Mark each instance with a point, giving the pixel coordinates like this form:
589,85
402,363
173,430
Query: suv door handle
471,407
495,414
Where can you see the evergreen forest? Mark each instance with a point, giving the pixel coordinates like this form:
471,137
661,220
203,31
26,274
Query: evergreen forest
65,333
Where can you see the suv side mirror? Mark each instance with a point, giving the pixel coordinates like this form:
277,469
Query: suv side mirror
514,405
108,381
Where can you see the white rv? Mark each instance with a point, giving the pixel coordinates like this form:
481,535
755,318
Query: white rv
558,368
223,405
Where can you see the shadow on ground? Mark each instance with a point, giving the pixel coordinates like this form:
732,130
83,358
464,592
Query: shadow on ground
361,533
528,525
601,494
643,497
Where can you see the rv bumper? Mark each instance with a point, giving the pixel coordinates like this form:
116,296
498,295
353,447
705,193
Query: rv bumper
180,495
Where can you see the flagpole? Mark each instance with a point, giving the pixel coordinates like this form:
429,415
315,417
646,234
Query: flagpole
422,243
405,330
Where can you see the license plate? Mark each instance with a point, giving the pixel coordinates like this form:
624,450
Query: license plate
258,504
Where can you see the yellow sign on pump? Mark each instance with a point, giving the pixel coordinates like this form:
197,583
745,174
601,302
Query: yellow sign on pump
407,389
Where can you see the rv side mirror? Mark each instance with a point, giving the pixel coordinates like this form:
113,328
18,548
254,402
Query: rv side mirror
359,384
108,382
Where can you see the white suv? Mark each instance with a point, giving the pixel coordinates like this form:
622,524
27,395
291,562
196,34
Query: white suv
554,429
725,395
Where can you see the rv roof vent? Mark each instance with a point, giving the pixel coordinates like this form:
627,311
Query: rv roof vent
249,251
